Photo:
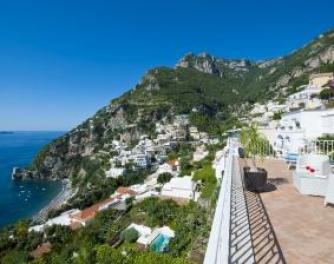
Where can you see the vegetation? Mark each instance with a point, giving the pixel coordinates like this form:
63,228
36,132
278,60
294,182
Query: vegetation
326,94
277,116
255,145
130,235
164,177
96,242
208,179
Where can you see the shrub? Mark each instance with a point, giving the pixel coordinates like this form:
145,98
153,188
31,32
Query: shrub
207,176
277,116
326,94
130,235
164,177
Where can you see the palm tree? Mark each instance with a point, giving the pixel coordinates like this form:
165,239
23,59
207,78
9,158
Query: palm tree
253,143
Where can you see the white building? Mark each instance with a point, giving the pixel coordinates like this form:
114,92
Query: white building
165,168
141,160
64,219
200,153
305,97
320,79
179,187
143,231
115,172
296,128
140,188
194,133
290,136
274,107
258,109
314,123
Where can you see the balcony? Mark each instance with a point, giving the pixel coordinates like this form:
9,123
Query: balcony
279,225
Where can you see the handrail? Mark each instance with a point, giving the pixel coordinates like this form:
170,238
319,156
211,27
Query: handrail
230,240
218,245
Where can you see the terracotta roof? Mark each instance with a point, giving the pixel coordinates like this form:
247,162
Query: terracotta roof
41,250
90,212
174,162
87,213
125,190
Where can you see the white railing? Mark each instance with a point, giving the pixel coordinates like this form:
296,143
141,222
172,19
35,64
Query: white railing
223,247
218,245
325,147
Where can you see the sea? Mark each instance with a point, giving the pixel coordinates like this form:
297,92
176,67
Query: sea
23,199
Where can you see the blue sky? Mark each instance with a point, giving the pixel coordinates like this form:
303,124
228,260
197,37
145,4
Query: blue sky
61,62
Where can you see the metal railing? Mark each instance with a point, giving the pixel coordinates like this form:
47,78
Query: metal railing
230,240
241,232
325,147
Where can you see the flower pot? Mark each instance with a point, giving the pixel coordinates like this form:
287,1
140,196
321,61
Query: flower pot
255,180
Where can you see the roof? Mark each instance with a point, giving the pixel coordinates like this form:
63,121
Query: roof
125,190
90,212
173,162
184,183
41,250
86,214
141,229
139,188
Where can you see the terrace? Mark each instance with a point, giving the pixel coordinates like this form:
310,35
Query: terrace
279,225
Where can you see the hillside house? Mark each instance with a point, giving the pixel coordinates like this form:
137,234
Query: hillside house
64,219
320,79
306,97
182,188
115,172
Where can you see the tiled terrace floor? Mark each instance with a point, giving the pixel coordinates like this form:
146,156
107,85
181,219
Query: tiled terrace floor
304,227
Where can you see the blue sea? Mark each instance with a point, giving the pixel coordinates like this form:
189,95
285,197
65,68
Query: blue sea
23,199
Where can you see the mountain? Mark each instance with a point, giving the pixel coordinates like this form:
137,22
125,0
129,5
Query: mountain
212,91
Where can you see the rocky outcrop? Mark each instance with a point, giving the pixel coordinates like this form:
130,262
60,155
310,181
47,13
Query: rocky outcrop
24,174
326,56
203,63
212,65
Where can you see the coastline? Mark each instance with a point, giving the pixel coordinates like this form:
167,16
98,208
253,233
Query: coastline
62,197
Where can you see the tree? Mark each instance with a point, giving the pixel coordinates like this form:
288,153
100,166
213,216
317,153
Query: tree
164,177
150,257
130,235
326,94
277,116
106,255
21,229
14,257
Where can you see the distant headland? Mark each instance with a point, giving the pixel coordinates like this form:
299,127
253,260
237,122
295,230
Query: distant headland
6,132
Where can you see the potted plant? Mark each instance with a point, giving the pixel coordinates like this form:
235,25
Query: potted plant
255,178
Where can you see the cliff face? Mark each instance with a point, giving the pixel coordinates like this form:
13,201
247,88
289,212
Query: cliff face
220,88
212,65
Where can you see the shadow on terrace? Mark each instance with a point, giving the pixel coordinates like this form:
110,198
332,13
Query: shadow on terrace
283,221
266,248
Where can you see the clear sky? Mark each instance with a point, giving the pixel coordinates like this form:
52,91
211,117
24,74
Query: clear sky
61,62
